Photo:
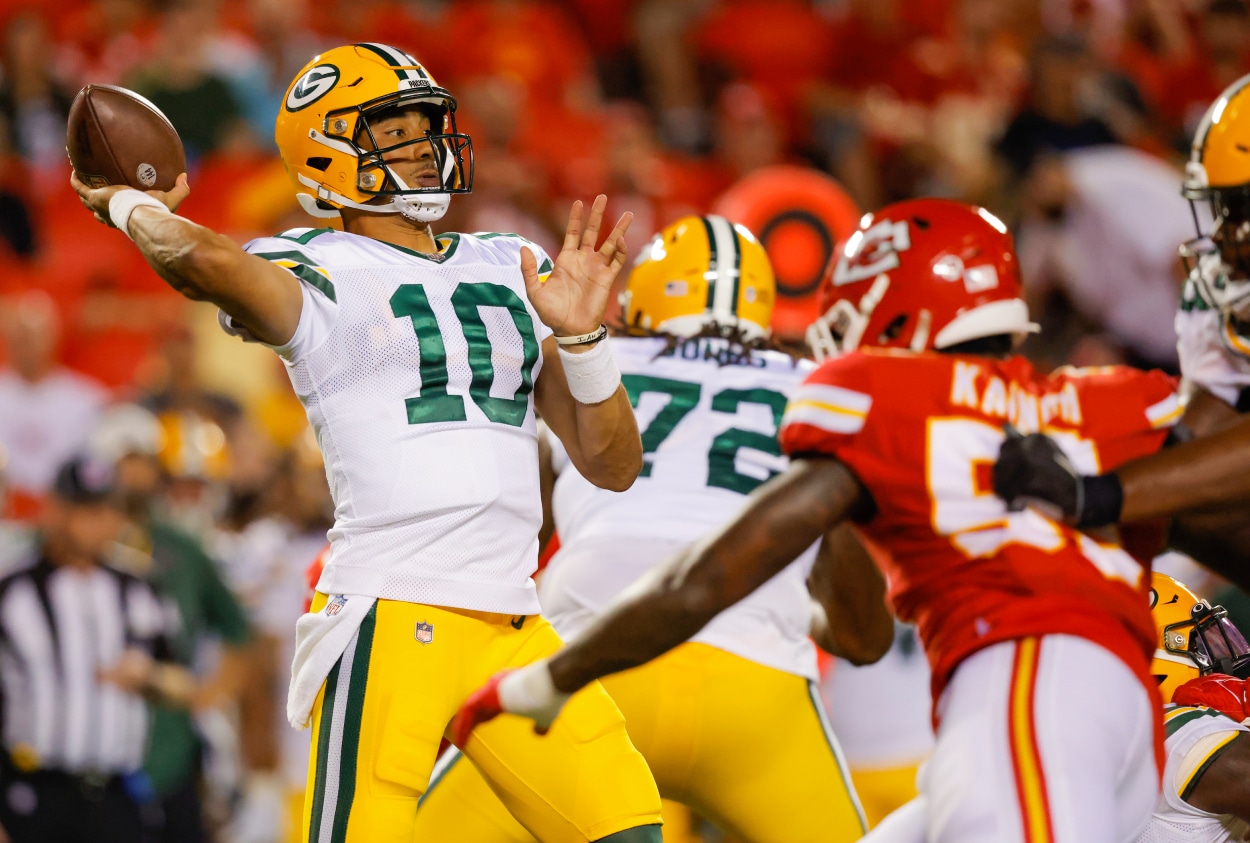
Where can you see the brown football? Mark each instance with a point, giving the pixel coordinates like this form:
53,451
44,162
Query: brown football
116,136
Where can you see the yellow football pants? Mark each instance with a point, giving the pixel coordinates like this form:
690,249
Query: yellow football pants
386,705
744,745
882,791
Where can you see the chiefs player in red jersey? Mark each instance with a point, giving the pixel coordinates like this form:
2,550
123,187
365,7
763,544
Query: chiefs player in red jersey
897,433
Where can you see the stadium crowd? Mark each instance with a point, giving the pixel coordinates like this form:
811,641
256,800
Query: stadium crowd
1070,119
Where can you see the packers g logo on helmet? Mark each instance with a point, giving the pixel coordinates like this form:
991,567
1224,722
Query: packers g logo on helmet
701,275
330,152
312,86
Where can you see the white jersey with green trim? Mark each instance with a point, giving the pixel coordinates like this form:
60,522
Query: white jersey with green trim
417,375
1211,355
1195,736
709,419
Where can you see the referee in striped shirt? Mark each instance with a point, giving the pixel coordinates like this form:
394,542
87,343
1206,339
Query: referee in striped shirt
80,648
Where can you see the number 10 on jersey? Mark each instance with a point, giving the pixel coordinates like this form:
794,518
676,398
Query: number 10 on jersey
435,404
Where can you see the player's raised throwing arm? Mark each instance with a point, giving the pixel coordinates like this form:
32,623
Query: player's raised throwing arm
676,600
579,392
199,263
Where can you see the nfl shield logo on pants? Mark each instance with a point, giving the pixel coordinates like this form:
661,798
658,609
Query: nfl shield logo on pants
425,632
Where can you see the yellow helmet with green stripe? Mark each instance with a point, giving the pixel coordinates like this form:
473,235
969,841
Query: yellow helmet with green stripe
330,152
702,275
1195,638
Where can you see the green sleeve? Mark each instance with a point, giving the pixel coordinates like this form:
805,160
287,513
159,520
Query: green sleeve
223,613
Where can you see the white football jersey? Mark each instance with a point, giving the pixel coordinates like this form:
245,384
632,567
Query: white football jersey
1195,735
1208,352
417,374
709,433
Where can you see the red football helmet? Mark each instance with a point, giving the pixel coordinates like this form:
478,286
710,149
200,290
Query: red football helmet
921,274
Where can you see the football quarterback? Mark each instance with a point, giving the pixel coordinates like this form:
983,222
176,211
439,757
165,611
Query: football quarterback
421,360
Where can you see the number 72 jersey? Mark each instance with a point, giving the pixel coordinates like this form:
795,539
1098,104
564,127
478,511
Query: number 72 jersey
417,373
922,433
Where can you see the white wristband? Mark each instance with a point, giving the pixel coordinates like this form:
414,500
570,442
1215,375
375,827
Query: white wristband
529,692
123,204
592,375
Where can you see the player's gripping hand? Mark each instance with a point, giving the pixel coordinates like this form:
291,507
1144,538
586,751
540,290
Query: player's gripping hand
97,199
1034,471
1226,694
526,691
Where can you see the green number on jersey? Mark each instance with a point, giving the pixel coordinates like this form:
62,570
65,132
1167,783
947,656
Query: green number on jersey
683,397
720,459
435,404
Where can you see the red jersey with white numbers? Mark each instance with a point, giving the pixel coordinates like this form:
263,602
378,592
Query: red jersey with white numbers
922,432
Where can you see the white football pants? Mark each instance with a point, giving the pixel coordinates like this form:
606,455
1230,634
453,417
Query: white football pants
1043,740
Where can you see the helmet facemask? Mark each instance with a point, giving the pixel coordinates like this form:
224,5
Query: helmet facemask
352,129
1213,643
1218,258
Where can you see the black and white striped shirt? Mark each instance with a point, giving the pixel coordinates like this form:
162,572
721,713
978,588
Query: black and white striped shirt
59,628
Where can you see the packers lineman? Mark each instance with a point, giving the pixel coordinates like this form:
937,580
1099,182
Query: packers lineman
730,723
419,360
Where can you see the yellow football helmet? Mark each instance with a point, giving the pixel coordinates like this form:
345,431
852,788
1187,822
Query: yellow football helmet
1217,185
1194,638
701,273
326,113
192,447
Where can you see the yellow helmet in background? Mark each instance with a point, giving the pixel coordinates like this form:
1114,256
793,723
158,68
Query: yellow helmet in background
325,115
1194,638
193,447
701,272
1217,185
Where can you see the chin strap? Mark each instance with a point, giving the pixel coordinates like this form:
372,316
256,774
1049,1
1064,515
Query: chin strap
418,207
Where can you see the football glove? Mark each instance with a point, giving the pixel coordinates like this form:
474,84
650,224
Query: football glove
1034,471
526,691
1226,694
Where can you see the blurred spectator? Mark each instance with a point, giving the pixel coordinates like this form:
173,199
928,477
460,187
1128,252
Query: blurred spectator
173,383
260,59
1103,225
511,179
1064,110
187,581
532,43
103,41
273,556
671,72
16,537
782,47
46,411
34,103
195,457
1210,59
75,719
181,80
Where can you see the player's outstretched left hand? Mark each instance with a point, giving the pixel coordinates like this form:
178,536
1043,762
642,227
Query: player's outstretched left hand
526,691
96,199
574,297
1226,694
